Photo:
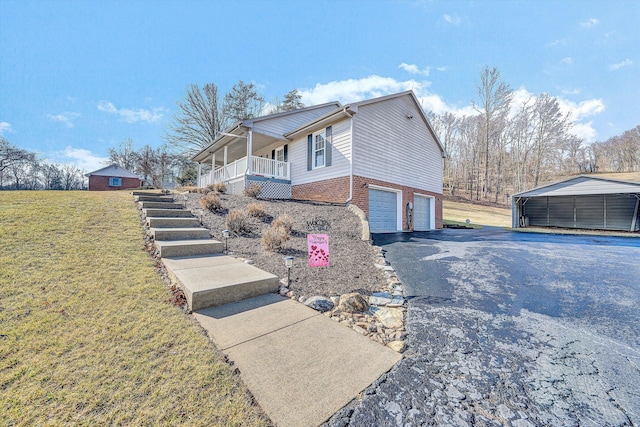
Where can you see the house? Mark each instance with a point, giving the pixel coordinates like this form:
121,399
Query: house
112,177
381,155
583,201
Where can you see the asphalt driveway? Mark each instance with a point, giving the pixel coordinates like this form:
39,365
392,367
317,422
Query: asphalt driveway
512,329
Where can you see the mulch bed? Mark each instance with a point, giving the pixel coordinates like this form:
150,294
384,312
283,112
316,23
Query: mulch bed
351,259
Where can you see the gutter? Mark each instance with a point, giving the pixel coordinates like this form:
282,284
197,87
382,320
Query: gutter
351,163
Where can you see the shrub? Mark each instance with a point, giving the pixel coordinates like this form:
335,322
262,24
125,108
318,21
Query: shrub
220,187
275,238
256,210
211,202
284,221
237,222
253,190
210,188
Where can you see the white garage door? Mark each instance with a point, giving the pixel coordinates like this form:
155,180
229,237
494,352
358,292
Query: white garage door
383,207
421,213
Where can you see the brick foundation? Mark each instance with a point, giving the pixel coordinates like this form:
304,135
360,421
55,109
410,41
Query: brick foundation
336,190
101,183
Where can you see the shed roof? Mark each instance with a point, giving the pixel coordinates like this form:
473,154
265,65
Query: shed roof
583,185
113,170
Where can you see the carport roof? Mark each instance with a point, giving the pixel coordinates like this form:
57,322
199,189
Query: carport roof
583,185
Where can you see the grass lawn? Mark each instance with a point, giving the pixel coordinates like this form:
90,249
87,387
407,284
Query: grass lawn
86,333
458,212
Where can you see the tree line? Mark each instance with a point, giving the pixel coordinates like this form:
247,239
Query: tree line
504,147
23,170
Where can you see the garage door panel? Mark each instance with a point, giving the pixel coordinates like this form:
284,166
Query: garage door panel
421,213
383,207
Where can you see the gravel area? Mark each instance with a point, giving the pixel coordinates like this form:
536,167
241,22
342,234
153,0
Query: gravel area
351,259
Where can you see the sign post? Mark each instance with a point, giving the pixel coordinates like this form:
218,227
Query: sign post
318,246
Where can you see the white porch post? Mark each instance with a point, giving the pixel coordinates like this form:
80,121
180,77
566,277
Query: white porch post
213,162
226,148
199,174
249,149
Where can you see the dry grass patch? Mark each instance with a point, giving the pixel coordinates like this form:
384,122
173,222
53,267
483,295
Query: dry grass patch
87,336
477,214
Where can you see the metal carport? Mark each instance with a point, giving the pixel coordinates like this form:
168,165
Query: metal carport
583,201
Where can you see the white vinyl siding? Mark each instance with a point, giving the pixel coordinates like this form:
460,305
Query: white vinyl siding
340,156
390,147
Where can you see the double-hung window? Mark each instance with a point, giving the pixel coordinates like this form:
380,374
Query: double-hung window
319,149
115,182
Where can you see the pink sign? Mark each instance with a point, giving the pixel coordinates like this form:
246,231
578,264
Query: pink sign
318,245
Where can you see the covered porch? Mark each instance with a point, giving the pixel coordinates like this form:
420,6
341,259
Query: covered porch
243,155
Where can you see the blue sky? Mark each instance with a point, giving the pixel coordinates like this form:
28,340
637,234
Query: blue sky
78,77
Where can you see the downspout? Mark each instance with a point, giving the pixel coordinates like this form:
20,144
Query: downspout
351,163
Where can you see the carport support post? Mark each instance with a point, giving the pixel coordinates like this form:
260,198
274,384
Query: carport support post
635,215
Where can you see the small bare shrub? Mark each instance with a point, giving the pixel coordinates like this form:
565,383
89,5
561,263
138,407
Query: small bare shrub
275,238
220,187
253,190
211,187
284,221
256,210
237,222
211,202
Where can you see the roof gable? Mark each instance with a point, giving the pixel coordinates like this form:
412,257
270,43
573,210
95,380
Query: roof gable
113,170
583,185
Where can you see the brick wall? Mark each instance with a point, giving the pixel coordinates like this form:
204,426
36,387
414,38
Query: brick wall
101,183
336,190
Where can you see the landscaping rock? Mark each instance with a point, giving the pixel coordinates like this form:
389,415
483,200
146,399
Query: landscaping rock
397,301
398,346
319,303
391,318
353,303
380,298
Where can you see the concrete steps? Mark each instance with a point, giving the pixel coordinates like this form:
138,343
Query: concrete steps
160,205
153,198
211,281
186,248
172,213
191,233
168,222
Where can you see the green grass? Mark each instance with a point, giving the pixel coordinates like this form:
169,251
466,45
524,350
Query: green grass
86,333
450,222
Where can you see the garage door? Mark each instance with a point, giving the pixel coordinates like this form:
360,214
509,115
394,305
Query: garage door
421,213
383,206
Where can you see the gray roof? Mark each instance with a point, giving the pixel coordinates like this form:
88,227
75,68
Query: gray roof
583,185
114,171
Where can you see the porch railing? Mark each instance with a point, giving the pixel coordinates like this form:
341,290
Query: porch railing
260,166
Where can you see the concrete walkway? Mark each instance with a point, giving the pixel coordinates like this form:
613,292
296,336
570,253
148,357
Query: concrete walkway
301,366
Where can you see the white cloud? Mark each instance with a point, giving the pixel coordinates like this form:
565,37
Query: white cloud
353,90
568,60
591,22
583,109
584,131
413,69
65,118
455,19
5,127
621,64
132,116
80,157
558,42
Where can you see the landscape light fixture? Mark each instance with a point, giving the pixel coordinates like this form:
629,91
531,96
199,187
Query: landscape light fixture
288,262
184,201
201,212
225,234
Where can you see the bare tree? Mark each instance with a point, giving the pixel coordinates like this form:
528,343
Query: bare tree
198,121
495,99
124,156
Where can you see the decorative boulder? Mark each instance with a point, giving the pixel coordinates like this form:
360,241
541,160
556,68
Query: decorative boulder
353,303
319,303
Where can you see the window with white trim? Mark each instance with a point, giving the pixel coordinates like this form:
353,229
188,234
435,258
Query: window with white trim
115,182
319,149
